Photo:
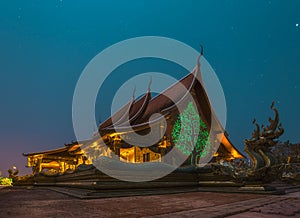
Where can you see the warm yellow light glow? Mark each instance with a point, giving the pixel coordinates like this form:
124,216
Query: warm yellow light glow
94,144
127,154
115,134
229,148
163,144
74,147
52,164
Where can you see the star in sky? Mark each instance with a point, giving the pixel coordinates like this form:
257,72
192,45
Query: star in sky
297,24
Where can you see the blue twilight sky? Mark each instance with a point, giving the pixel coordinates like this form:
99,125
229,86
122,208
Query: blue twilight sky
254,47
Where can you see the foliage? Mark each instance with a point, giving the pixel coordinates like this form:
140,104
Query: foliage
5,181
190,134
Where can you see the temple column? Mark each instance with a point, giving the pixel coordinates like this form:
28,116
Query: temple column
62,167
39,163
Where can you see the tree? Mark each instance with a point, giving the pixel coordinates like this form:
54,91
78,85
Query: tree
190,134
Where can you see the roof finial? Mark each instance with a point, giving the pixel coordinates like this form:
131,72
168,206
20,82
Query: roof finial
272,105
133,93
149,83
200,55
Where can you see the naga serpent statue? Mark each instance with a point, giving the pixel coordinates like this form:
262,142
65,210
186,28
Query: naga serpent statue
259,146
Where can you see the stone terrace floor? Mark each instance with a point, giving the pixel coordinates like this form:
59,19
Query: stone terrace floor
38,202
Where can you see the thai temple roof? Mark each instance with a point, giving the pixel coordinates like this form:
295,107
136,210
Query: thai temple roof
142,109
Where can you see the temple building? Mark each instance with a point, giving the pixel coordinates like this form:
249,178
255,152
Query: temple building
58,160
134,118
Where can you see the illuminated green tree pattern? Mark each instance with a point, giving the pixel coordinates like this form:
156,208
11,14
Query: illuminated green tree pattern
194,138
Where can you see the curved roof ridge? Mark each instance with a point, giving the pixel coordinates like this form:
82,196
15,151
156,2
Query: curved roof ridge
124,115
135,115
143,108
118,114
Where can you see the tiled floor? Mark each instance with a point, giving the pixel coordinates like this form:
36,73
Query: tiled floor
24,202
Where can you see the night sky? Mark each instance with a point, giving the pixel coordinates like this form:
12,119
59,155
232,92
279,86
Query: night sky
253,46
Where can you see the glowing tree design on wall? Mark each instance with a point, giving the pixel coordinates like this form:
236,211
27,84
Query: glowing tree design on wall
193,139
